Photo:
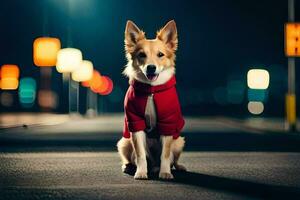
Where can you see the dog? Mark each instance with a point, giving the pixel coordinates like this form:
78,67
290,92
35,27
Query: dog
153,120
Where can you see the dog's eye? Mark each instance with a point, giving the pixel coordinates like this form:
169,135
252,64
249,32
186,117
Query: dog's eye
160,54
142,55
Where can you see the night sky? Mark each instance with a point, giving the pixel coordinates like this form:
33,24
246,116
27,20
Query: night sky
218,42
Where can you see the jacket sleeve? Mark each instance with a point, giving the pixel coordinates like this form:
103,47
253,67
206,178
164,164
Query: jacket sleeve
134,117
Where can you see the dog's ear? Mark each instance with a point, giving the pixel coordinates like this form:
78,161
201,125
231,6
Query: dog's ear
168,34
132,35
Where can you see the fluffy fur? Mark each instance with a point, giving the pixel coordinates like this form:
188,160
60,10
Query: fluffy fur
141,52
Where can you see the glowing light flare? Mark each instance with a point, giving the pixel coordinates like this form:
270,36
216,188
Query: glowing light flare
45,51
292,39
258,79
84,71
85,83
47,99
255,107
68,60
104,85
27,91
10,71
9,83
108,87
96,81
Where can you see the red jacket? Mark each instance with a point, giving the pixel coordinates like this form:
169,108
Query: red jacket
169,117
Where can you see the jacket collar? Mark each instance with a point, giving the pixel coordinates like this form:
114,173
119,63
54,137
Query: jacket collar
149,89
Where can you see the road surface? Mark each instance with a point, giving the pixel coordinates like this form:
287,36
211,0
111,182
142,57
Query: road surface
77,159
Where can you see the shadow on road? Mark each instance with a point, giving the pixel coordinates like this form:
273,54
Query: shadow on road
243,187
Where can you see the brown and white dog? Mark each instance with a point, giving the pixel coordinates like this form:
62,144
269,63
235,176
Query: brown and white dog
151,62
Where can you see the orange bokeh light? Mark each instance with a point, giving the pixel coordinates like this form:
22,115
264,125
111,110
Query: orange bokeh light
292,39
96,81
104,85
9,83
85,83
93,81
47,99
10,71
45,51
109,86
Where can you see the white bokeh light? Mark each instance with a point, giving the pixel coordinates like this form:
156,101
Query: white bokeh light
68,60
258,79
255,107
84,71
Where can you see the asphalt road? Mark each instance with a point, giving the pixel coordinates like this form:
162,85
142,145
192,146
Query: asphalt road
102,134
77,159
97,175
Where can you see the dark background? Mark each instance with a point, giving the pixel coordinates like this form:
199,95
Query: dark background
219,41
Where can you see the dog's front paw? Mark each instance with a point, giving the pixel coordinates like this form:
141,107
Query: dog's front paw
180,167
166,175
140,175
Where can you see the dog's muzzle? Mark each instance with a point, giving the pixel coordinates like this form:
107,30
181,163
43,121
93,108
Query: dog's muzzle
151,72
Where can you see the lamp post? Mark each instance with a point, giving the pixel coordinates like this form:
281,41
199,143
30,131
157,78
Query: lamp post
83,73
68,61
292,50
258,82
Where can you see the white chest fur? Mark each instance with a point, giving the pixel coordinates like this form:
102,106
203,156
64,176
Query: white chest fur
150,114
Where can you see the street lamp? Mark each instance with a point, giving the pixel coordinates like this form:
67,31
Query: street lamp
45,51
258,82
68,61
292,44
83,73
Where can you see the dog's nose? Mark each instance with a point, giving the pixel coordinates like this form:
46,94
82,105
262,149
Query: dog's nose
151,69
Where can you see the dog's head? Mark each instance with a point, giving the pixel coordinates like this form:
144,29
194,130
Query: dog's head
150,61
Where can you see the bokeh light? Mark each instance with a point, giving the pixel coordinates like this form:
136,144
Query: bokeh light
27,92
9,77
255,107
68,60
106,87
47,99
45,51
96,81
84,71
10,71
292,39
9,83
85,83
258,79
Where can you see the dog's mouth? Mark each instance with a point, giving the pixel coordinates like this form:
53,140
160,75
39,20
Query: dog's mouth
152,77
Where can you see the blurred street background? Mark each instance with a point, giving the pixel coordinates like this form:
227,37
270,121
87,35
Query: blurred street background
62,92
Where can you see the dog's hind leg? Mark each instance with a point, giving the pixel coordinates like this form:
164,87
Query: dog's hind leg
125,151
176,148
